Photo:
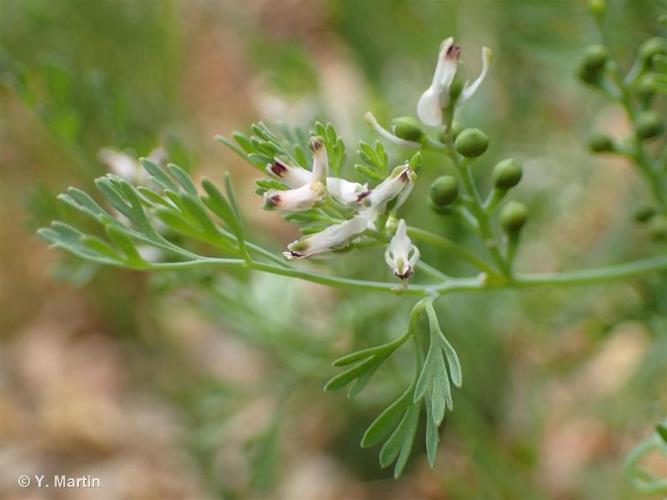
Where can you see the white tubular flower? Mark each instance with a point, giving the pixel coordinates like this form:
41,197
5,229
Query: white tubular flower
346,192
401,255
430,104
331,238
436,97
303,197
293,177
399,183
295,200
391,187
343,191
320,160
469,90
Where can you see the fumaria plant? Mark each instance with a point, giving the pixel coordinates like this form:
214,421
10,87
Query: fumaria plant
150,216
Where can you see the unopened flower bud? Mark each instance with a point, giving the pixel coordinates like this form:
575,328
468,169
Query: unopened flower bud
593,64
444,190
649,125
408,128
471,143
507,174
447,210
657,228
652,47
596,57
513,217
600,143
597,8
644,212
646,88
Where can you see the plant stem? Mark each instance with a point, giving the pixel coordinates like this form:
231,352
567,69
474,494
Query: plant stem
650,170
479,283
476,206
432,271
639,155
451,246
592,276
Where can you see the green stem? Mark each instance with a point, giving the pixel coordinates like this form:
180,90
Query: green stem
477,209
592,276
479,283
494,199
332,281
638,153
450,246
432,271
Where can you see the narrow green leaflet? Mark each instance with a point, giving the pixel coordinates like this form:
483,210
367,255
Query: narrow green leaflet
334,145
399,445
135,213
387,420
374,161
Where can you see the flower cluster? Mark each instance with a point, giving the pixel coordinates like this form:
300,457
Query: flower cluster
437,105
309,189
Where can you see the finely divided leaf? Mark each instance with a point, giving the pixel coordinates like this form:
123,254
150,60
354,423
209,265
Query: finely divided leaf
386,421
158,175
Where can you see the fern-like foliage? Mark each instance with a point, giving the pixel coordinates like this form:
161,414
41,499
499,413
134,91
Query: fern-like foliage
430,389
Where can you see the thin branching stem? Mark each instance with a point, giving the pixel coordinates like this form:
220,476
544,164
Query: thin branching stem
450,246
452,285
476,207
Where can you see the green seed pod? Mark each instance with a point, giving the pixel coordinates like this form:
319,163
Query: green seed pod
644,212
587,76
649,125
513,217
657,228
600,143
652,47
444,190
593,64
440,210
471,143
408,128
646,88
597,8
596,57
507,174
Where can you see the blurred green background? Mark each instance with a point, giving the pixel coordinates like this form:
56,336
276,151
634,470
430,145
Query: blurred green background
207,385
